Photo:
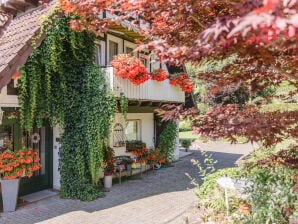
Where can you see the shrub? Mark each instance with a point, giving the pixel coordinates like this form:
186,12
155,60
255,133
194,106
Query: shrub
186,142
274,192
185,126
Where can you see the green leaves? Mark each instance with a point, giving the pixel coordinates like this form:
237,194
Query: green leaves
167,140
60,83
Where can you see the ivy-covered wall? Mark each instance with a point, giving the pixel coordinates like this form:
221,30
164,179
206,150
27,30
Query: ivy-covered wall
60,82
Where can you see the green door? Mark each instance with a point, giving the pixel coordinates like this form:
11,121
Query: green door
11,136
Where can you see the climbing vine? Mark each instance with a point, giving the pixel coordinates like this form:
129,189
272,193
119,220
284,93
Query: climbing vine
167,140
61,83
123,104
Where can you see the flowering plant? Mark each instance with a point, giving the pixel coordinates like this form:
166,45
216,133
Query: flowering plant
155,156
108,164
140,153
159,75
183,81
130,67
108,168
19,164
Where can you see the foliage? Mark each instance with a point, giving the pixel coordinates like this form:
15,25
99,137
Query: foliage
60,82
186,142
273,194
123,104
182,80
252,44
155,156
22,163
188,135
211,199
131,68
185,126
269,127
167,140
135,145
108,163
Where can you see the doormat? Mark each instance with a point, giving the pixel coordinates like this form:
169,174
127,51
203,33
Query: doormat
38,196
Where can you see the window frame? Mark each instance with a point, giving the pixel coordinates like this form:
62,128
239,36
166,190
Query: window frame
139,129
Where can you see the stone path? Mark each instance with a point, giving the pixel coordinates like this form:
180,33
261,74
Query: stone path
161,198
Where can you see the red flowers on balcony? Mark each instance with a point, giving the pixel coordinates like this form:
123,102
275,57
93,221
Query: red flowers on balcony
159,75
130,67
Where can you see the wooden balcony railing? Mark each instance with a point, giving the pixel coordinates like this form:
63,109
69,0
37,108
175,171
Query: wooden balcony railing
149,91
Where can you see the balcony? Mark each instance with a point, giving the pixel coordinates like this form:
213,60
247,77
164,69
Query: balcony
149,91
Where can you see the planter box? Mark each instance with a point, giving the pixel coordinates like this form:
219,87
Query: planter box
10,189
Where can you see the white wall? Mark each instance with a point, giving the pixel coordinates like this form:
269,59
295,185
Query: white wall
56,148
147,126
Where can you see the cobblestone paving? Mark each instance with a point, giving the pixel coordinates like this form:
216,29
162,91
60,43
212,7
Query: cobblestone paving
164,197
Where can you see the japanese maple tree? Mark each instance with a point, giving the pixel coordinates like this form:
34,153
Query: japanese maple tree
262,33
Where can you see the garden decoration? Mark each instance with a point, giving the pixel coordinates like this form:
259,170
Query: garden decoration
13,166
131,68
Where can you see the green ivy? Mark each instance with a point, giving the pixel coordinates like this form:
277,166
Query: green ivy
61,83
167,140
123,104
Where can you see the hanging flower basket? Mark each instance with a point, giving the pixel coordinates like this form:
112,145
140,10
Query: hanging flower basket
131,68
183,81
159,75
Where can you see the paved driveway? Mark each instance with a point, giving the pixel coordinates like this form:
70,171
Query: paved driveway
164,197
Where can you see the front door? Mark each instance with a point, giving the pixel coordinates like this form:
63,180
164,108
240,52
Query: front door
12,137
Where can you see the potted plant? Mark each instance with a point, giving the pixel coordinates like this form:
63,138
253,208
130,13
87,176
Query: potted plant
108,175
13,166
127,161
108,166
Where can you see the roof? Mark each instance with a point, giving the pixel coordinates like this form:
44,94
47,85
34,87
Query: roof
15,42
4,18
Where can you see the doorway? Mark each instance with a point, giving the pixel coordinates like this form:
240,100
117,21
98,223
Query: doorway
14,138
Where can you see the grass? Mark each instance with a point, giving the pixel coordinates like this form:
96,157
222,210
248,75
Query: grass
190,135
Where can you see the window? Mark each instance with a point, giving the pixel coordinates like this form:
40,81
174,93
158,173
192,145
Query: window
98,55
11,87
133,130
113,49
6,137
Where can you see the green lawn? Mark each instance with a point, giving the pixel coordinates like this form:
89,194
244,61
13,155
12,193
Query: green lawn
188,134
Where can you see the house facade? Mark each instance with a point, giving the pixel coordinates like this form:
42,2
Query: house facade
139,124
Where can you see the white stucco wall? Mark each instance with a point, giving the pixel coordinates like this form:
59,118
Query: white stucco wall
56,148
147,126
